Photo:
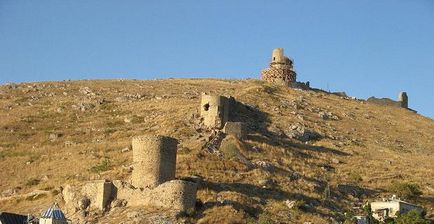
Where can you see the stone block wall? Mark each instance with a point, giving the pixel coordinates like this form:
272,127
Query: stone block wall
278,75
98,193
237,129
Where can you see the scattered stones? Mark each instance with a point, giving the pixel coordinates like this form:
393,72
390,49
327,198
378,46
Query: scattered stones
263,164
83,106
54,136
86,91
290,204
335,161
300,133
69,143
125,149
8,192
118,203
328,116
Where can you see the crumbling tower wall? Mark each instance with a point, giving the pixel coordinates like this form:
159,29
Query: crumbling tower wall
176,194
214,110
403,99
154,160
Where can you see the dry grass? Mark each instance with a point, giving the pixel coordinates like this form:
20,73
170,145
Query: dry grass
374,145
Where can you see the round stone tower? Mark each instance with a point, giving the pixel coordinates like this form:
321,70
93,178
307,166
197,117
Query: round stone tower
154,160
281,69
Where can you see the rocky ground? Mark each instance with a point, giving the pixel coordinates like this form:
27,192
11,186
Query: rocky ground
310,156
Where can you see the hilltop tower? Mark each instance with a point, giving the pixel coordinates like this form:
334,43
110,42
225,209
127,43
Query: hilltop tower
281,69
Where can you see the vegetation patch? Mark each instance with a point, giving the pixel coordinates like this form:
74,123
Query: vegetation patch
102,166
405,190
35,197
33,182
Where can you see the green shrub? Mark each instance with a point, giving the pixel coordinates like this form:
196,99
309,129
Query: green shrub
355,178
32,182
101,167
405,190
411,217
265,218
250,220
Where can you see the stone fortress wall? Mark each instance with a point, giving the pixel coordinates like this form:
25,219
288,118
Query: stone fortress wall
402,101
153,181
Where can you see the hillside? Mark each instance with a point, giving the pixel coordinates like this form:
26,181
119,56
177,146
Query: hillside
57,133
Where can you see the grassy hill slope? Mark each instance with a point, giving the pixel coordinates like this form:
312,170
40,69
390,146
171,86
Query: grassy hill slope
54,133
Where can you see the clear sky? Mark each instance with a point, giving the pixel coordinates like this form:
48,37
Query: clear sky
364,47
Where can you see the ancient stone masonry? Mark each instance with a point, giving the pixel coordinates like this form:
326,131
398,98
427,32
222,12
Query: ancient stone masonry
281,69
402,101
214,110
154,160
236,129
152,182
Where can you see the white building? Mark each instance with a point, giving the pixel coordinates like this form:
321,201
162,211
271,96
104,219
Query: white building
391,208
53,216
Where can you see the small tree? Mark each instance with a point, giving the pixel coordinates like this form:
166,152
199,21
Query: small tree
411,217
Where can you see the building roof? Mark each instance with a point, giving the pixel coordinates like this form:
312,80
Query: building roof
10,218
396,200
53,212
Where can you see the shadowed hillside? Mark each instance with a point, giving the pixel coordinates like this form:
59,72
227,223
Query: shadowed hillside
309,156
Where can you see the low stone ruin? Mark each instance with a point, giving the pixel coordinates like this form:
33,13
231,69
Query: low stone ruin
401,102
152,183
236,129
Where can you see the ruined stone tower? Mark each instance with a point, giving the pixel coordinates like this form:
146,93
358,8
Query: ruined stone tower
153,181
281,69
403,99
154,160
214,110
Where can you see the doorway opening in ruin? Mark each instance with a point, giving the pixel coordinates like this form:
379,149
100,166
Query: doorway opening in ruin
206,107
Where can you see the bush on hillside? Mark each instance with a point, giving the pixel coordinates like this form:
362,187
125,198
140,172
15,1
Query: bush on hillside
405,190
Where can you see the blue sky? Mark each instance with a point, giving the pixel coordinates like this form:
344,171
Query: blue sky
365,48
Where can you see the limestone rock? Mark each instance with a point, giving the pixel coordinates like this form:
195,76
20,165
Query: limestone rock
301,133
